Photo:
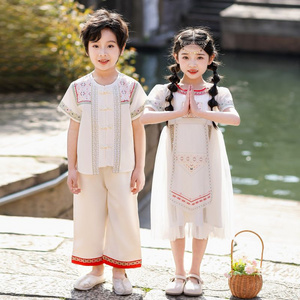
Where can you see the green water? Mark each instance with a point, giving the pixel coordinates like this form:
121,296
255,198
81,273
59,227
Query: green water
264,151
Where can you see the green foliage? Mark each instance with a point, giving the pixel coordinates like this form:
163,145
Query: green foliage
40,47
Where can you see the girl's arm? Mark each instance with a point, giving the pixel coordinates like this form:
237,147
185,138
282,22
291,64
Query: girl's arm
229,116
138,177
150,116
72,157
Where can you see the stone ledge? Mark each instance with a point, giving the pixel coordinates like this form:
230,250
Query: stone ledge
261,13
19,173
260,29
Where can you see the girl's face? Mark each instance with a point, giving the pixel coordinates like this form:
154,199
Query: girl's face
193,61
104,53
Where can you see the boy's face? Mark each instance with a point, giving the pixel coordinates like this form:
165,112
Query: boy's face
104,53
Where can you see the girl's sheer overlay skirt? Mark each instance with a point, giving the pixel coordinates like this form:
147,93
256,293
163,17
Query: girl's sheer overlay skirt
169,221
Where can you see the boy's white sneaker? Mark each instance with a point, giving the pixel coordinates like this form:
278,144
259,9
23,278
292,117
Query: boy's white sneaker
122,286
88,281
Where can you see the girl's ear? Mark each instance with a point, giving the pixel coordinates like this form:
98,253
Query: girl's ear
176,57
211,59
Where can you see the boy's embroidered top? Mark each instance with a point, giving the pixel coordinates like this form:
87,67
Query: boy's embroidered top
105,114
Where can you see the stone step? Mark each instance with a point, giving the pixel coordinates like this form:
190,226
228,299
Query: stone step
213,4
271,3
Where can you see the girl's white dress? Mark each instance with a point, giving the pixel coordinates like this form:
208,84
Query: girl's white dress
191,190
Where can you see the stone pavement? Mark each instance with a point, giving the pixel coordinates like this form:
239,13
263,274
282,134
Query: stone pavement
35,252
35,264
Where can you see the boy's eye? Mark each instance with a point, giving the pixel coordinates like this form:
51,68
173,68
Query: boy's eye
111,46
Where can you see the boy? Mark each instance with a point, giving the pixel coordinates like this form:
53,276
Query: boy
106,155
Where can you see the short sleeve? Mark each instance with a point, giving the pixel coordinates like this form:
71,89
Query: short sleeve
224,98
157,97
137,101
68,105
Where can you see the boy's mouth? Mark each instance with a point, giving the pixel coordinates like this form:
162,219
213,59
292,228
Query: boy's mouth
103,61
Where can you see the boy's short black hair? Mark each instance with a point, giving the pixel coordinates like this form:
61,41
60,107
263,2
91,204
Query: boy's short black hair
102,19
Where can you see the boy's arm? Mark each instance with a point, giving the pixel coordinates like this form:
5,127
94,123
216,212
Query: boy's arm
139,139
72,157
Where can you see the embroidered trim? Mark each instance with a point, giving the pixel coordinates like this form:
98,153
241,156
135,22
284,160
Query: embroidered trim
83,91
69,111
87,261
117,126
132,92
190,201
191,162
225,104
196,92
95,130
156,105
137,112
106,260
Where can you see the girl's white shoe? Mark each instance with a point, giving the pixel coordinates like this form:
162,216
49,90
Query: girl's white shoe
122,286
176,285
193,288
88,281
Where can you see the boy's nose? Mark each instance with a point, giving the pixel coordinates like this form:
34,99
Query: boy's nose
102,52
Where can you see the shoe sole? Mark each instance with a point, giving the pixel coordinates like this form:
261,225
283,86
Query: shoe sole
192,295
122,294
86,289
174,294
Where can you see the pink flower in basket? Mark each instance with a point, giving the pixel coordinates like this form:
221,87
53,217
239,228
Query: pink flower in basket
244,266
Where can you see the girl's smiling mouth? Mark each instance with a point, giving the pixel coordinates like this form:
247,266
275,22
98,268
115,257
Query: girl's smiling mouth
193,71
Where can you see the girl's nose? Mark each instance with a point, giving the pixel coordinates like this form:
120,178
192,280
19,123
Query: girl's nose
192,63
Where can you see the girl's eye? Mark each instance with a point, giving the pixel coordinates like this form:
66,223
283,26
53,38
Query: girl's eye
95,46
111,46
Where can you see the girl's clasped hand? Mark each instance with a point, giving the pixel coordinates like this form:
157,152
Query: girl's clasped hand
190,107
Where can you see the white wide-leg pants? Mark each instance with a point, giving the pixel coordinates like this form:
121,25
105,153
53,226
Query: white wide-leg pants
106,223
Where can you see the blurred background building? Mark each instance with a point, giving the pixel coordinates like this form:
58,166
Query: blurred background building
251,25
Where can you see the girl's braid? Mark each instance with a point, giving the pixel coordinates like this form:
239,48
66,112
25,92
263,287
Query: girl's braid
213,91
174,79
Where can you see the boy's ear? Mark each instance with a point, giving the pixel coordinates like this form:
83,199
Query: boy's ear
122,51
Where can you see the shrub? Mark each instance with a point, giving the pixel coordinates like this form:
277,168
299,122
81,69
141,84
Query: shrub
40,47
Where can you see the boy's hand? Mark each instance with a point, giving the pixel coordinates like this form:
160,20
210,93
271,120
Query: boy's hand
137,181
73,181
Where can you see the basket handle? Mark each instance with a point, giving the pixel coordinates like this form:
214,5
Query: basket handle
262,247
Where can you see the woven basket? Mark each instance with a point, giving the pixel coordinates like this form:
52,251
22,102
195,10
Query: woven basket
245,286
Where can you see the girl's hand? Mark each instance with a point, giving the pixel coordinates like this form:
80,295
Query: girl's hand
193,105
73,181
137,181
185,109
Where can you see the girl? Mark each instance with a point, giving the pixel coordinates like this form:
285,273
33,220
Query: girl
106,154
192,190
